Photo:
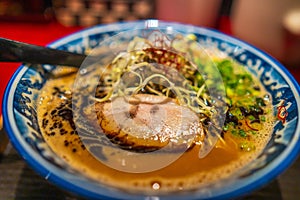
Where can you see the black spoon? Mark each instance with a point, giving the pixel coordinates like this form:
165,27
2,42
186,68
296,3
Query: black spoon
14,51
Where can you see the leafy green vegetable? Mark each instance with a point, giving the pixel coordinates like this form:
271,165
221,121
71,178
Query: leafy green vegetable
245,106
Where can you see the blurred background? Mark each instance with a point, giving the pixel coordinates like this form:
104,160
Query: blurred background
271,25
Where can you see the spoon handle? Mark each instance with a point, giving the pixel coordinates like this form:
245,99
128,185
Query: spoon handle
13,51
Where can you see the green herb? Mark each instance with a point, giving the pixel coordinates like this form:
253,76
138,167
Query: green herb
242,133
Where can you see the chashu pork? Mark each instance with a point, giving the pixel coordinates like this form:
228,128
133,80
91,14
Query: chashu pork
145,123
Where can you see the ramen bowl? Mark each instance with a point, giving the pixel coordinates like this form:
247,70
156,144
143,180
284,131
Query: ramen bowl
23,92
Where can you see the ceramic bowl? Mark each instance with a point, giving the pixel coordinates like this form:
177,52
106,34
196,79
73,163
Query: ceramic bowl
20,119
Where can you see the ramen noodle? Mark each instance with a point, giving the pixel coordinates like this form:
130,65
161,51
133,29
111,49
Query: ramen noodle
185,106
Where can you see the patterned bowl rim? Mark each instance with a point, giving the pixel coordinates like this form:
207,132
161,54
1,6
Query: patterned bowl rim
70,183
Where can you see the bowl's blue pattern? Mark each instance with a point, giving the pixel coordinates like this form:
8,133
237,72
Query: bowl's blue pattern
20,117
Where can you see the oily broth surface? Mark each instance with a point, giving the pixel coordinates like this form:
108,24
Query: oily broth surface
188,172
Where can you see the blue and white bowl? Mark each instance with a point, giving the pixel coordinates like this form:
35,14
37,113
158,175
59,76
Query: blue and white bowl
20,118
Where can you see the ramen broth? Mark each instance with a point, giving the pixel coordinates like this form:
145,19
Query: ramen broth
189,171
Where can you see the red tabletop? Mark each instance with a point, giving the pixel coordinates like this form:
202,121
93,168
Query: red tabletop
43,34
